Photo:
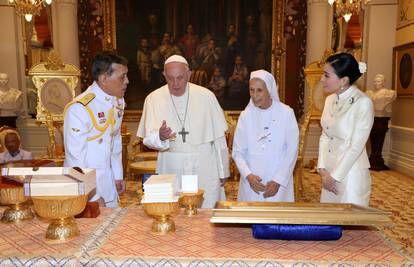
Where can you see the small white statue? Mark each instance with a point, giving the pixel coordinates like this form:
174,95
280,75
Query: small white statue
11,102
382,99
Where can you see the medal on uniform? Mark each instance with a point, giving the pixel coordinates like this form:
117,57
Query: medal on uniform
101,117
120,110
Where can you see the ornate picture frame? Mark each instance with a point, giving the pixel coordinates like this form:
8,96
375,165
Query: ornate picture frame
112,32
403,70
55,83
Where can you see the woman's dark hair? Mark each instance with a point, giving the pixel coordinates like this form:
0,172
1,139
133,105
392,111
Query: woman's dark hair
102,63
345,65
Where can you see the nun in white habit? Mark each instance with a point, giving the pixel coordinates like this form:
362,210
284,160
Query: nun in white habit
265,145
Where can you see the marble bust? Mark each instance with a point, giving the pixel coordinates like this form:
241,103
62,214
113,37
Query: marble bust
10,102
381,97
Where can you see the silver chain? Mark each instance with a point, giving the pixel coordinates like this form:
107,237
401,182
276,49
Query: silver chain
182,122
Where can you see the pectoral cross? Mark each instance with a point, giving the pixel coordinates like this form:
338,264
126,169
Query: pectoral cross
183,133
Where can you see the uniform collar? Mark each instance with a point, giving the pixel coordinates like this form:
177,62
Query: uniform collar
100,94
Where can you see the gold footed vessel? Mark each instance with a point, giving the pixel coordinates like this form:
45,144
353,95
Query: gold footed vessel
191,201
60,210
162,213
18,210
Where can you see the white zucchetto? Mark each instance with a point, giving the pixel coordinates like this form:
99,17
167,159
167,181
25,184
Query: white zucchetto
176,58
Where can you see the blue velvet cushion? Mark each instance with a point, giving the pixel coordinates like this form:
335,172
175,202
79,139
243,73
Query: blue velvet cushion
296,232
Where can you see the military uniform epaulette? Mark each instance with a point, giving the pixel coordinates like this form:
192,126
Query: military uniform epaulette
86,99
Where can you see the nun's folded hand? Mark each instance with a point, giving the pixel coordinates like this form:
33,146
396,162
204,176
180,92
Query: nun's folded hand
255,183
271,189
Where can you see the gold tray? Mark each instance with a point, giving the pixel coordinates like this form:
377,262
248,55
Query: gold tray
298,213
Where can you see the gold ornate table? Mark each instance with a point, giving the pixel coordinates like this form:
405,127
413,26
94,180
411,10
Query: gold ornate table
143,167
146,156
137,167
122,237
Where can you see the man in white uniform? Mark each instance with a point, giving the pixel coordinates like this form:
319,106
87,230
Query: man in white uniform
186,124
11,141
92,124
382,99
11,102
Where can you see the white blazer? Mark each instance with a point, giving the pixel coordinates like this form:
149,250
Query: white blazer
346,124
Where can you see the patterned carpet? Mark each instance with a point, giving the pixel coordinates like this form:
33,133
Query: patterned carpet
391,191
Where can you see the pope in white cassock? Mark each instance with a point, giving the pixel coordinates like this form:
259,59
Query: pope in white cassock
186,124
92,124
265,144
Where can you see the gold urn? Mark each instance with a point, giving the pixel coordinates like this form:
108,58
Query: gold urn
18,209
191,201
162,213
60,210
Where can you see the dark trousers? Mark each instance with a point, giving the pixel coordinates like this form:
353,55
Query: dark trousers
8,121
376,137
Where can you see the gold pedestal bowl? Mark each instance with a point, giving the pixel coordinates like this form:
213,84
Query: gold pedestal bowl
61,211
18,209
162,213
191,201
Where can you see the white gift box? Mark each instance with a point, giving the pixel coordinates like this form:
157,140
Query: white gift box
189,183
53,181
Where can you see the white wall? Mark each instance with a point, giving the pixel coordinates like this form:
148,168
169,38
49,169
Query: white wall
380,23
11,47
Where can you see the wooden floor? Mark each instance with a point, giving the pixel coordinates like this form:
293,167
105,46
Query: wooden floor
391,191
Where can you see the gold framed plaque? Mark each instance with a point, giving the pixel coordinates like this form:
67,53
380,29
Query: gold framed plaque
55,83
298,213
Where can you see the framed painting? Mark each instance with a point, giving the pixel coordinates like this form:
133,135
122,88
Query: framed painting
403,78
406,14
223,41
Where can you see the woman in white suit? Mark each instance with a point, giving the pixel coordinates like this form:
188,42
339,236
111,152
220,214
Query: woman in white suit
346,122
265,144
